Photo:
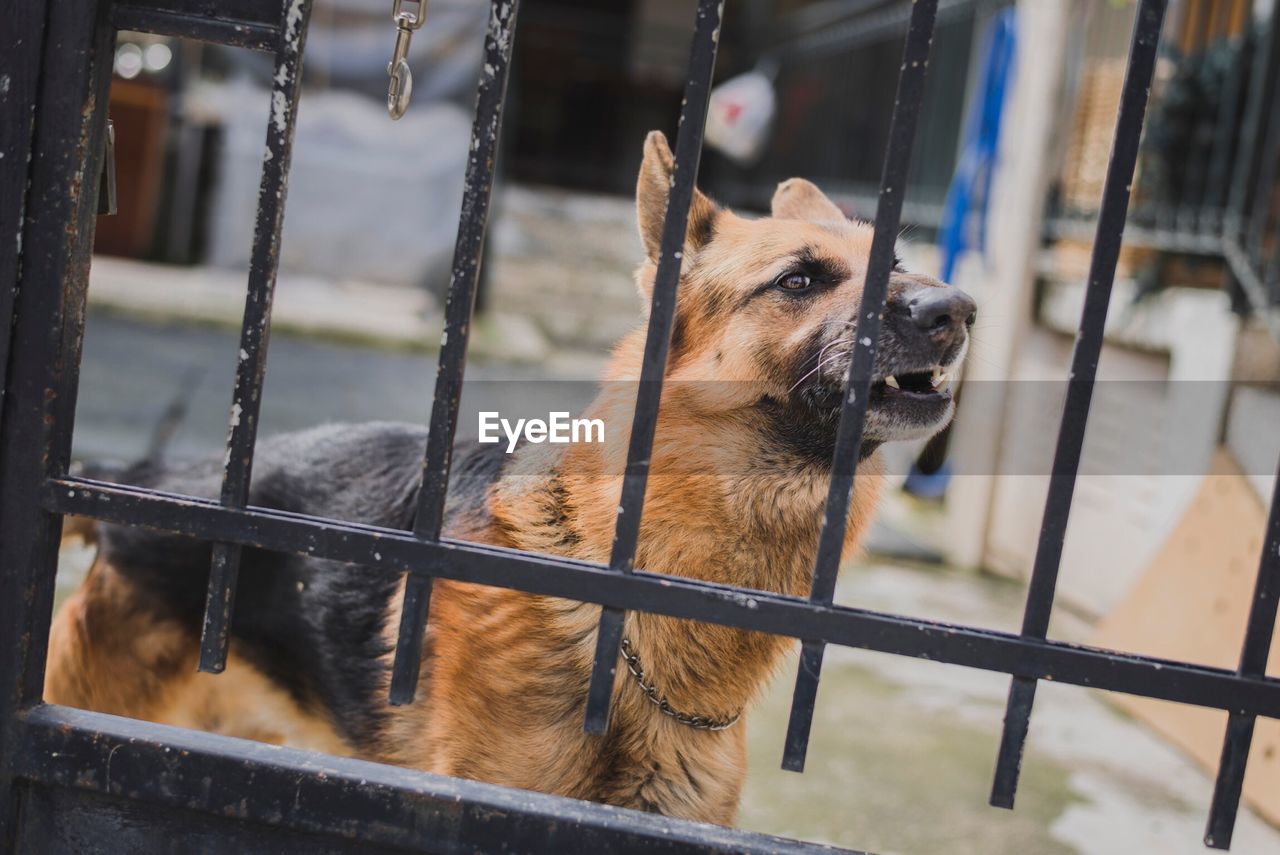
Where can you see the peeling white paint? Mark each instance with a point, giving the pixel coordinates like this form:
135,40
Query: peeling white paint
279,112
292,19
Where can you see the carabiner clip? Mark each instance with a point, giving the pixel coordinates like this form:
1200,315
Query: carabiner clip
400,87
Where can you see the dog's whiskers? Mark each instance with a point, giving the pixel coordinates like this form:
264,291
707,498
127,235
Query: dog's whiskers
818,367
826,347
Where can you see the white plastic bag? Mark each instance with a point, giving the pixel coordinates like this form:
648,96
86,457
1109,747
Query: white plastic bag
739,116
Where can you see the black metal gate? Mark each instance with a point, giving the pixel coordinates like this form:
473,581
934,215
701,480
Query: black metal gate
80,781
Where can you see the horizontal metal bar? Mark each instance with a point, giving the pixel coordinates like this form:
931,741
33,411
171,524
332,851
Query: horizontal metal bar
657,343
245,34
473,221
857,27
390,551
1082,226
376,804
866,336
1084,369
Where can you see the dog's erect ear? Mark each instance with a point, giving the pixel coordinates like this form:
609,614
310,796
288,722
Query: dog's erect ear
651,199
797,199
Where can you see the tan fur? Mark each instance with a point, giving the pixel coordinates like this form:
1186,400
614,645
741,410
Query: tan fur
504,674
108,652
709,514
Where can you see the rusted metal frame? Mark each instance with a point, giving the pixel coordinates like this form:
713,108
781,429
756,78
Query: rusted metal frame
866,336
1253,663
380,806
21,40
468,250
65,137
662,309
391,550
251,367
1080,380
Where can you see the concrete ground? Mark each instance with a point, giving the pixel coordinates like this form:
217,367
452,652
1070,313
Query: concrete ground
902,750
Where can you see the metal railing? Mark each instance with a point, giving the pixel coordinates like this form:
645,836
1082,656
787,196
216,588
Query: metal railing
69,775
1208,166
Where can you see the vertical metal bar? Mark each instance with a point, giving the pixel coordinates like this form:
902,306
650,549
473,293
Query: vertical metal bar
1171,212
1261,86
1183,207
20,43
1253,663
1262,207
1220,155
1270,276
626,535
264,261
472,222
52,84
1084,369
1219,116
853,411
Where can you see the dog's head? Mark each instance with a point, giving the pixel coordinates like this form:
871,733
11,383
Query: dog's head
767,310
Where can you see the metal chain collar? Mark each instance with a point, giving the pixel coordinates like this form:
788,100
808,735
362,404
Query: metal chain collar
697,722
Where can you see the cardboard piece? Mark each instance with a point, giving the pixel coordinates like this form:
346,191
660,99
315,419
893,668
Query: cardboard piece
1192,604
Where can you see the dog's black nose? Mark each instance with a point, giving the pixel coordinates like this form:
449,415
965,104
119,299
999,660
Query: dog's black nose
942,310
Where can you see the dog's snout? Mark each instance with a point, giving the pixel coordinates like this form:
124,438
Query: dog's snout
942,311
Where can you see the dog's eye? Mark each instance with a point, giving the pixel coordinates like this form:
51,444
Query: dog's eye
794,281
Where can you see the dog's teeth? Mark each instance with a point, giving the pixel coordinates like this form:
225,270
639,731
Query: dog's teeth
891,381
939,376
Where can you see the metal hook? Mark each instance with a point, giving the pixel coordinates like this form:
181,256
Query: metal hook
400,87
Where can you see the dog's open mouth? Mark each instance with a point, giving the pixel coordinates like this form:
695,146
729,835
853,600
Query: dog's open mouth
912,400
909,399
933,383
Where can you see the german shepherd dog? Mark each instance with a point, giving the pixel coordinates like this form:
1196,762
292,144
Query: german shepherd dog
739,476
